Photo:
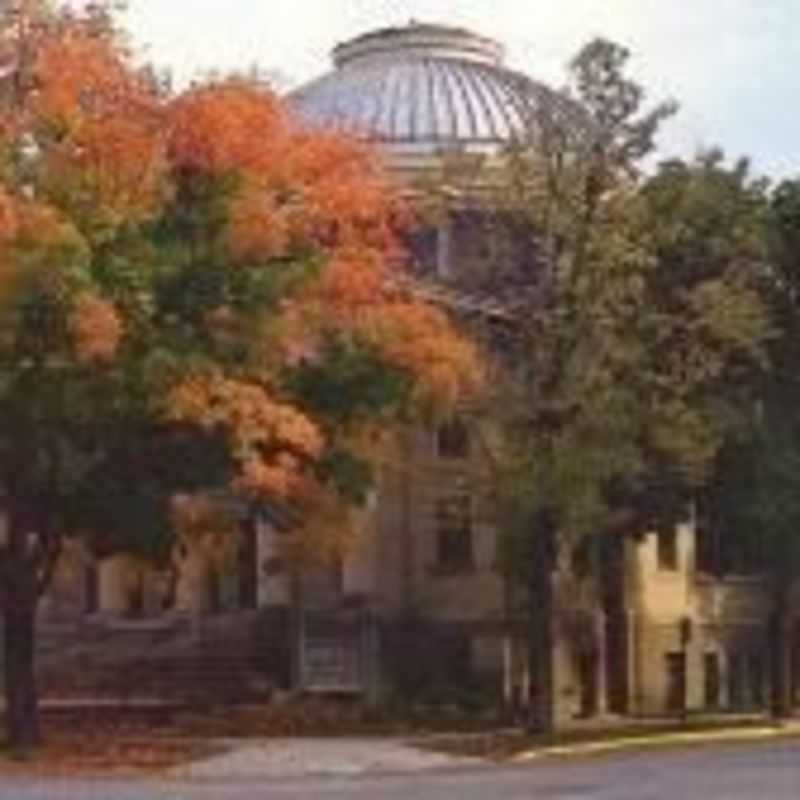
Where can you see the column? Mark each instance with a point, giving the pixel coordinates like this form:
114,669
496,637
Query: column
601,664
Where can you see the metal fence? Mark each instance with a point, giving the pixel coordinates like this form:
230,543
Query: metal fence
335,652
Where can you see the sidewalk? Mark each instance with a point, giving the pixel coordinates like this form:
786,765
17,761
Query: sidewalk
610,743
293,758
611,734
350,756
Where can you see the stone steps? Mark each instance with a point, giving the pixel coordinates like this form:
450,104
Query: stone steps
204,660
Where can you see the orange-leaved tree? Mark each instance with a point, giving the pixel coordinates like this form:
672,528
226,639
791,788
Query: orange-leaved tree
197,292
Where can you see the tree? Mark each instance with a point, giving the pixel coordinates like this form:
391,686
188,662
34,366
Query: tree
755,494
649,309
198,292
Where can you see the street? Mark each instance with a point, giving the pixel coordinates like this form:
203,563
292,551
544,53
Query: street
766,772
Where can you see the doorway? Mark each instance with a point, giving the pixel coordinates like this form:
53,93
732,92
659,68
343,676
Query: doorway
587,669
675,664
712,680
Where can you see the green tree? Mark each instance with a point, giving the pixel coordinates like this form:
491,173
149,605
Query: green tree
755,495
630,362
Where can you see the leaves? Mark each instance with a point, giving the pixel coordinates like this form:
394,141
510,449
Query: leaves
227,128
753,500
188,282
96,329
651,329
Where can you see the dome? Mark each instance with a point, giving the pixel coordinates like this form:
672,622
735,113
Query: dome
425,86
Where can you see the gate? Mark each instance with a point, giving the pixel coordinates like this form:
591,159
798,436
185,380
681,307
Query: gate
335,651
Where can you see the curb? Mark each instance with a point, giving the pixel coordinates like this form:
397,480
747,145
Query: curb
635,742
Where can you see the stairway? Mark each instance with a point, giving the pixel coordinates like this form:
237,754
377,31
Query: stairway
226,658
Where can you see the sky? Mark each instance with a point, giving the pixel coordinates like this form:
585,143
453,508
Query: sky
733,65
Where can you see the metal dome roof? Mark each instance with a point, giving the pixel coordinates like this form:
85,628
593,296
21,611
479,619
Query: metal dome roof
425,85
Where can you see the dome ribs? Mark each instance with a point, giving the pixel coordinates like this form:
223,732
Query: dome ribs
425,87
451,121
474,126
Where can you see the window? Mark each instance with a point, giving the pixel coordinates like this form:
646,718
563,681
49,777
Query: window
454,531
452,439
422,244
668,548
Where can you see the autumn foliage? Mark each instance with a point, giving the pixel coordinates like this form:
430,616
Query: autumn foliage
200,300
96,329
189,255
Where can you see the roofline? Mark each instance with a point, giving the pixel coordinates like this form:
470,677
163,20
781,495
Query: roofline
421,36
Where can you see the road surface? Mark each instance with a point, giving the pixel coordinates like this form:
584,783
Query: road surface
764,772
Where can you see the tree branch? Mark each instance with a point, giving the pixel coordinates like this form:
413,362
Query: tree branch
47,563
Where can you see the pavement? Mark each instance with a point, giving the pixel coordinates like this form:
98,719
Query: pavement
604,745
292,758
271,759
768,771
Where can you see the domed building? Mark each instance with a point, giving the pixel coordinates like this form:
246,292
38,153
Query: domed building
440,101
422,91
442,106
421,608
657,634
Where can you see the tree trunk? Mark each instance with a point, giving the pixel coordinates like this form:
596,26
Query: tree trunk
540,649
22,710
541,718
780,655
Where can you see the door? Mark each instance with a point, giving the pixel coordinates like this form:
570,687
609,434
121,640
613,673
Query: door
676,682
712,680
587,664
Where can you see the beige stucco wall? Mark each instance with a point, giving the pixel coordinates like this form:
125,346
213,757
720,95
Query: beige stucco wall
407,577
727,616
